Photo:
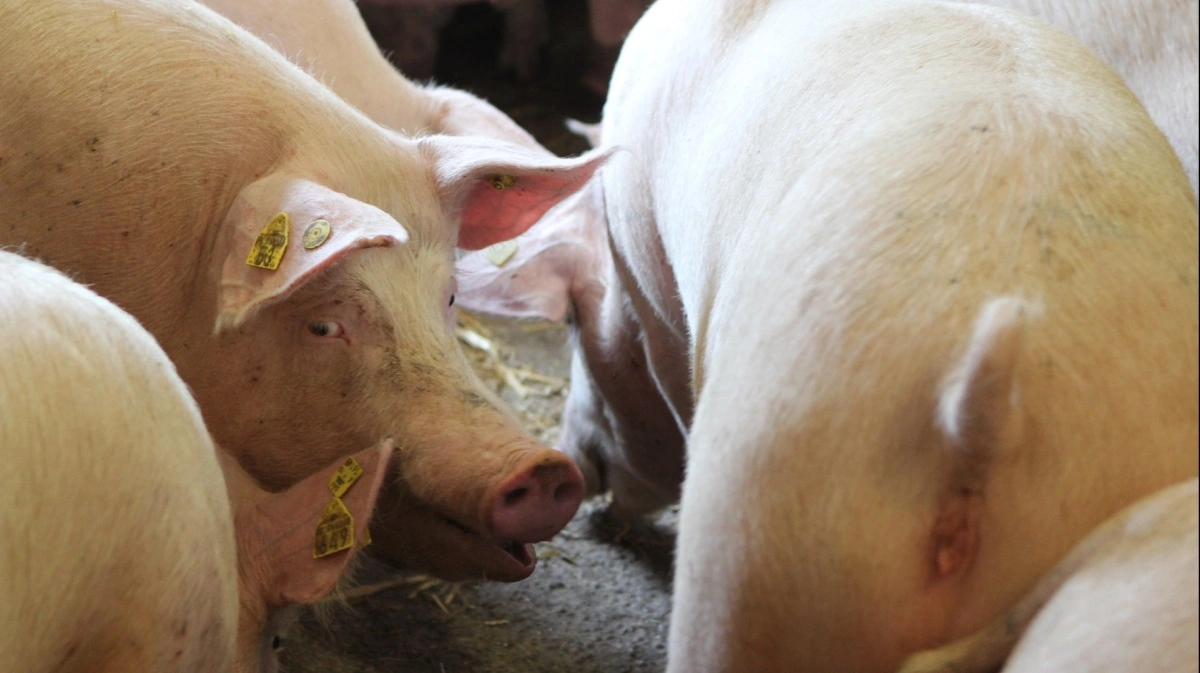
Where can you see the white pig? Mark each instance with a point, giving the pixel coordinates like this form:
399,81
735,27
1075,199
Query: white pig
119,538
905,274
167,157
1124,599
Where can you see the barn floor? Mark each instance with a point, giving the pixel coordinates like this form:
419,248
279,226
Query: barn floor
599,599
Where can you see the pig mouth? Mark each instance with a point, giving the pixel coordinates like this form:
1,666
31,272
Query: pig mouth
503,560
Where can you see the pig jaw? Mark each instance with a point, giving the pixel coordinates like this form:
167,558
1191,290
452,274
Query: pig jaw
470,491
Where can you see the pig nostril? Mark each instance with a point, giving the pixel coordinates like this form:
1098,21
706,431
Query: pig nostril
566,491
514,496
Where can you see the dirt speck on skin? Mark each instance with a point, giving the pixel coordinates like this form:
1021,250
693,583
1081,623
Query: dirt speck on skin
599,600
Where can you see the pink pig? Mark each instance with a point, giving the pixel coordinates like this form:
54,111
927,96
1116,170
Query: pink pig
161,151
895,280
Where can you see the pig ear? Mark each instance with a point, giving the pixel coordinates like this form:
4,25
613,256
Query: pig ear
276,530
499,190
321,227
977,399
541,272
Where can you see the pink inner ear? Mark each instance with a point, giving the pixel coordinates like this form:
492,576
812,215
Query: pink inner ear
491,215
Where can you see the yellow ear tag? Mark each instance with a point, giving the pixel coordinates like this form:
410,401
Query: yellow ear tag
272,241
344,478
502,182
335,530
499,253
316,234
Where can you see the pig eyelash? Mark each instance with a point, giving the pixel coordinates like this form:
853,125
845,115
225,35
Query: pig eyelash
326,329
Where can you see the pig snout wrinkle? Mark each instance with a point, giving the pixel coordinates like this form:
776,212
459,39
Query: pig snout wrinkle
538,501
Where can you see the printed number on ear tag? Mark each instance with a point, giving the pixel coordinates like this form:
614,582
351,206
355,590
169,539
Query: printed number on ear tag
499,253
272,241
335,530
344,478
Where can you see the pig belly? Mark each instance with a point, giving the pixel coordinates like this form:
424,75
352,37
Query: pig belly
835,217
118,550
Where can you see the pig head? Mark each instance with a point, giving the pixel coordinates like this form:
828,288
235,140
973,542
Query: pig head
352,339
298,270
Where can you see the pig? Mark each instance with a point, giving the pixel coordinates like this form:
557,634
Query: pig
169,151
1124,599
897,279
330,41
120,548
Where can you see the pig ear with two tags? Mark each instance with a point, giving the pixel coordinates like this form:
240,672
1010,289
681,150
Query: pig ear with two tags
298,542
498,190
283,231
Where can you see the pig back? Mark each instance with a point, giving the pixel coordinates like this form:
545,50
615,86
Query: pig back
118,548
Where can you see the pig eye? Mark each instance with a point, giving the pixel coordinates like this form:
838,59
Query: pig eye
452,300
325,328
276,643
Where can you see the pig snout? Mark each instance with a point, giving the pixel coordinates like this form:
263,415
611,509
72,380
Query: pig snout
538,500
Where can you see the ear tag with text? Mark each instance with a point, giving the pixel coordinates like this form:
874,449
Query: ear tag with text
271,243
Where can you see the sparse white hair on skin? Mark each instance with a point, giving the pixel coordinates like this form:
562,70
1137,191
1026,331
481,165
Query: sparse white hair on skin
119,549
